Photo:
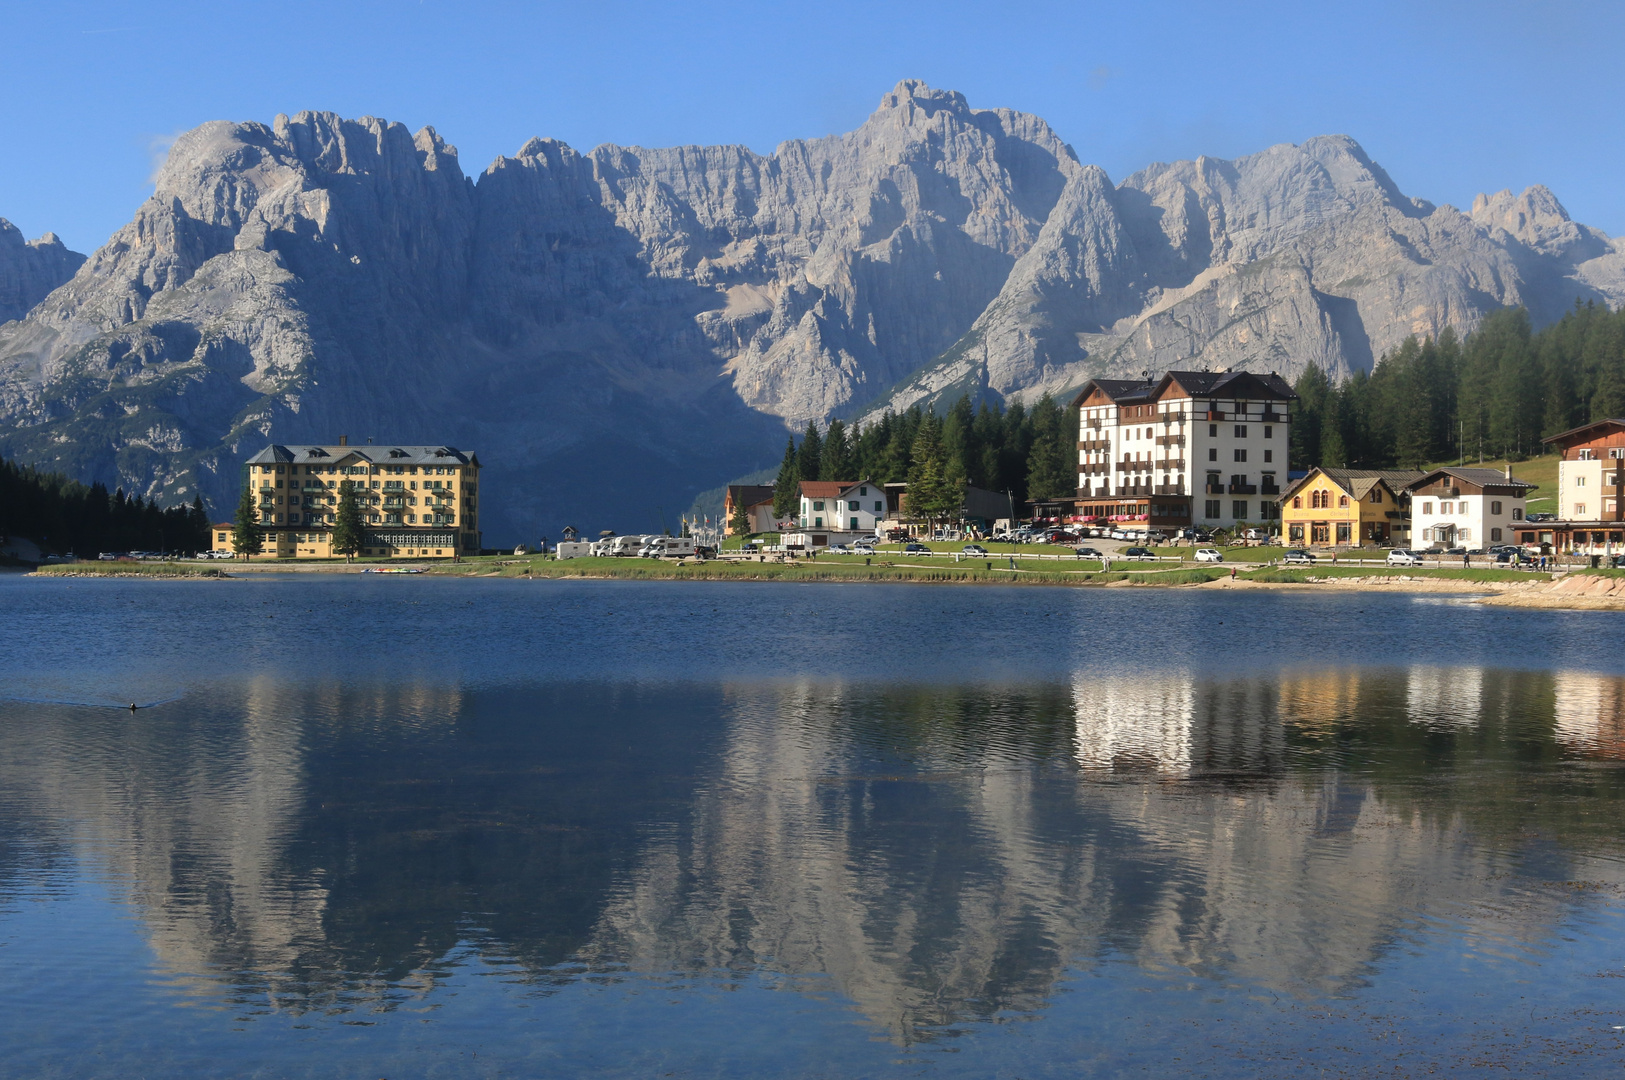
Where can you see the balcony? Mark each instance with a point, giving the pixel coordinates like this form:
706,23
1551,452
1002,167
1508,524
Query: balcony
1169,489
1171,463
1269,489
1170,440
1214,489
1243,489
1273,417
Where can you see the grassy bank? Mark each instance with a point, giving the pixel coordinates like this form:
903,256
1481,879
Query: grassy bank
130,569
1304,575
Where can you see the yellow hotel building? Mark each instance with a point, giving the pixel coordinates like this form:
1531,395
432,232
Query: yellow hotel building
1348,508
415,501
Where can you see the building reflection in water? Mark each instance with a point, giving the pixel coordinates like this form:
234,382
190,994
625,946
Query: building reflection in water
935,855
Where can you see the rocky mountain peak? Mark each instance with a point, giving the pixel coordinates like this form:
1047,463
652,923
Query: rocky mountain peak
30,269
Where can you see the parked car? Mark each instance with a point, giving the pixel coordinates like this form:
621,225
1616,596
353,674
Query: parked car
108,556
839,549
1455,551
1087,553
1139,554
750,546
916,549
1402,557
865,543
1208,554
973,549
1512,557
1255,534
1298,555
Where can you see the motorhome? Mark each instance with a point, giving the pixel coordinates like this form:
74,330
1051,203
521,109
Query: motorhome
667,547
573,549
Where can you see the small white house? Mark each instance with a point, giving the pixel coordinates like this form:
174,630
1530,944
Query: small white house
841,506
1471,508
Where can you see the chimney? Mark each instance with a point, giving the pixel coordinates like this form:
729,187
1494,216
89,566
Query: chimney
1509,470
344,440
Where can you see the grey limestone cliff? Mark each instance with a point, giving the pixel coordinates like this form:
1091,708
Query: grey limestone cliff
30,269
614,330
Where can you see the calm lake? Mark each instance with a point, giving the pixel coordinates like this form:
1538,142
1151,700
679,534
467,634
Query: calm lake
419,828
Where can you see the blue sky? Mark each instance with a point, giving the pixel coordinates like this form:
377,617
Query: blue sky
1452,98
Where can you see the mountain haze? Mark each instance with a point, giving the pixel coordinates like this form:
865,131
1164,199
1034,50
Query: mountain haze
614,330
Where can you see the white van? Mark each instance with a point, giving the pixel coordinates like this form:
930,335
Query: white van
628,545
574,549
667,547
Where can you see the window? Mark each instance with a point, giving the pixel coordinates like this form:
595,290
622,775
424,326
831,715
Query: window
1579,481
1445,508
1427,508
1269,455
1269,432
1517,513
1294,533
863,491
1238,509
1579,510
1241,454
1610,506
221,538
818,523
852,504
1211,509
1587,455
1213,430
1297,502
1213,453
819,505
879,506
1495,508
854,523
1495,535
1376,495
1319,533
1241,431
1343,532
1342,500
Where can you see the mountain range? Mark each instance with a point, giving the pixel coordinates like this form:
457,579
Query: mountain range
613,331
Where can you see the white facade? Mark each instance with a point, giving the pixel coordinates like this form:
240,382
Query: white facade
1460,516
1225,456
1586,488
855,508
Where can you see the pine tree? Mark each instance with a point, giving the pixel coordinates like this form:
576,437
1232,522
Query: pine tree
348,535
1049,473
787,486
245,532
931,496
811,456
740,522
835,462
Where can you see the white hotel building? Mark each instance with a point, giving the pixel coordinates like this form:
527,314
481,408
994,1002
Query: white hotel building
1203,448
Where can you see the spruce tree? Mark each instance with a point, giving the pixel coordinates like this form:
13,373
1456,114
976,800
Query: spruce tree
787,486
836,459
931,496
812,454
740,522
245,531
348,534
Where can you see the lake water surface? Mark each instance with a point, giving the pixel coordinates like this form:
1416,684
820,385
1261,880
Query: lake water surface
418,827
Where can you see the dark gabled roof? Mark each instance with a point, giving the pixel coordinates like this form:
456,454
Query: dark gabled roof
1236,384
1570,434
1241,384
1477,477
1359,482
1120,391
750,494
377,455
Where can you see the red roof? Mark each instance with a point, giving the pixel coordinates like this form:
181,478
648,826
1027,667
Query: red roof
824,489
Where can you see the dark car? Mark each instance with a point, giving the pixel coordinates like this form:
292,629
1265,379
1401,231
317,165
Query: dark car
1087,553
1298,556
916,549
1455,551
973,549
1513,558
1139,554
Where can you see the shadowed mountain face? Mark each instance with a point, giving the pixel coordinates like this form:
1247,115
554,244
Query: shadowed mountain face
613,331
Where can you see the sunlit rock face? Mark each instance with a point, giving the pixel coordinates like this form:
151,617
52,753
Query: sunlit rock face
648,321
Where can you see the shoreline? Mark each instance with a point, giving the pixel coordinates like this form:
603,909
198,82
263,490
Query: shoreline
1576,591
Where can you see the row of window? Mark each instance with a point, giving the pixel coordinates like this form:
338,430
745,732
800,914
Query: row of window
358,470
1617,454
852,504
1240,509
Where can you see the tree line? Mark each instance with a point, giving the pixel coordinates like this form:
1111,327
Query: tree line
63,515
1026,451
1496,393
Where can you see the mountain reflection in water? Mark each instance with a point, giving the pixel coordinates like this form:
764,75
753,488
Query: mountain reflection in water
937,856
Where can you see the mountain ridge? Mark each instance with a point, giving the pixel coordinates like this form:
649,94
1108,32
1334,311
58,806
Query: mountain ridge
617,329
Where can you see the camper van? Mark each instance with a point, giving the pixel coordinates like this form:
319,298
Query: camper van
573,549
667,547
